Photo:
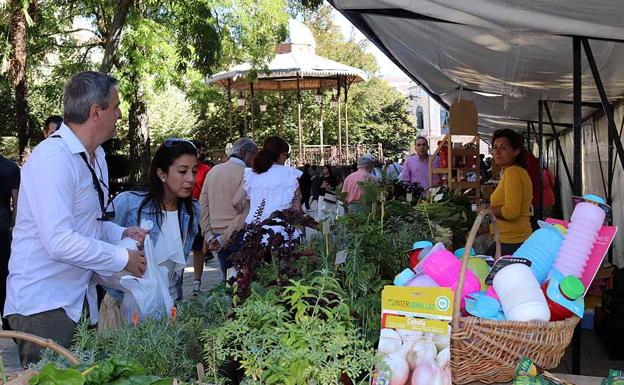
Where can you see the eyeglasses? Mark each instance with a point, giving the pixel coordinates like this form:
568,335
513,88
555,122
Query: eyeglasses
177,142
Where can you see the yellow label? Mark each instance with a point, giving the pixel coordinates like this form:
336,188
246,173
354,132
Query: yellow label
416,324
429,302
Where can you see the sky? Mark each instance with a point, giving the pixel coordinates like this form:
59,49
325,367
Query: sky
388,68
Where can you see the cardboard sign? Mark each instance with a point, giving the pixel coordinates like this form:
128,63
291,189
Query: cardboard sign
463,118
606,235
415,324
427,302
341,257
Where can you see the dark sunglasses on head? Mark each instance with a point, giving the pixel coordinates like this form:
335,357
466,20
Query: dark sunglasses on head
176,142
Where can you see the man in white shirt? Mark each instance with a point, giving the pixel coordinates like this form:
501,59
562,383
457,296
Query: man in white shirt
61,235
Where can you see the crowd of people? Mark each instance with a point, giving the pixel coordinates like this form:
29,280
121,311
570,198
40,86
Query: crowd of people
66,229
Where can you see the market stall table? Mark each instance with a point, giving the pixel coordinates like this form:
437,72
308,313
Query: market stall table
576,380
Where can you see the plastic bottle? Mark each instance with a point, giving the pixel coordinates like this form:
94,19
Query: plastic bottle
571,288
520,294
586,221
541,249
444,268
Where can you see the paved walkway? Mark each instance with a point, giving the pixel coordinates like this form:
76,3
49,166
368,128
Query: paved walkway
211,277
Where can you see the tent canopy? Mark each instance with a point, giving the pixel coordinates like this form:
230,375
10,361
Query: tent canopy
506,55
294,66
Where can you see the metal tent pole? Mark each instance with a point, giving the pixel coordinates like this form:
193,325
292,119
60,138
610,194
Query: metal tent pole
606,106
577,188
558,144
602,175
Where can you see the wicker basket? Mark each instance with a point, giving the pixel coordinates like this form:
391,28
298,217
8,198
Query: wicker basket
43,342
489,351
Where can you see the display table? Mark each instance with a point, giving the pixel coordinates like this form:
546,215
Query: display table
576,380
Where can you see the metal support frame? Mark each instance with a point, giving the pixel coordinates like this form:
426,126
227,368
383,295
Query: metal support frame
602,175
570,102
558,144
606,106
577,188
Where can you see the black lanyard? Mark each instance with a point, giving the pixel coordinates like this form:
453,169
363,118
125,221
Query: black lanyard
106,216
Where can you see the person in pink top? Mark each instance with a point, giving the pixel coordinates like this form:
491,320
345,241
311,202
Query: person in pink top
363,174
416,167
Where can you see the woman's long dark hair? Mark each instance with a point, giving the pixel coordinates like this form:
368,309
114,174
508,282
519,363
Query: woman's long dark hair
164,157
330,177
273,147
516,141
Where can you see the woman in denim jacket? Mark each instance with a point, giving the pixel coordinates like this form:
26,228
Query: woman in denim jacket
167,202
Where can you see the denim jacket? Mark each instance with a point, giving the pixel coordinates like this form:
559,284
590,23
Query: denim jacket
126,206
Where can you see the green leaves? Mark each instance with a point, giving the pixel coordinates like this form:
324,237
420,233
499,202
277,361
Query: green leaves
300,334
50,375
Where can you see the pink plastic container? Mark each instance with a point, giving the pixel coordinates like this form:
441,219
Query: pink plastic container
444,268
422,280
586,221
589,215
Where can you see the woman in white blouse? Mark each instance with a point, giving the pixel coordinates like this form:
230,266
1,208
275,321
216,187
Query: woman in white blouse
166,201
270,181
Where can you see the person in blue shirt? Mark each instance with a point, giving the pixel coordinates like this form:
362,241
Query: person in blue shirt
166,201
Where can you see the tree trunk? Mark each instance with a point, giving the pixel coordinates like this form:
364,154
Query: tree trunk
17,75
113,35
138,133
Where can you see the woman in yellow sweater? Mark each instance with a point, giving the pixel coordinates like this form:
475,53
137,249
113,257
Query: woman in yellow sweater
511,201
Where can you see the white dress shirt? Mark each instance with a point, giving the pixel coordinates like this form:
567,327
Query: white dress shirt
57,240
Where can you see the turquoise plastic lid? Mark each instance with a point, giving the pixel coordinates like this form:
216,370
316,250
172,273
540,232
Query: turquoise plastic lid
481,305
594,198
404,277
422,245
459,253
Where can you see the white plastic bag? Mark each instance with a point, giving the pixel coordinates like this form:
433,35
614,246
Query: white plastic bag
148,296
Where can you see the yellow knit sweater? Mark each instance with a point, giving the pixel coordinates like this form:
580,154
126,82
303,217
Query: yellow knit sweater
514,195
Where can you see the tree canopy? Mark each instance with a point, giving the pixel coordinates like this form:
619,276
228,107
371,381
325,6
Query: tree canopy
162,51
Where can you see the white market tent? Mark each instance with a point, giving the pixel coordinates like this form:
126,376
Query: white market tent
513,52
515,59
509,56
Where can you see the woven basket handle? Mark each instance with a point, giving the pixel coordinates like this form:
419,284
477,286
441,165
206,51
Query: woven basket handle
469,242
44,343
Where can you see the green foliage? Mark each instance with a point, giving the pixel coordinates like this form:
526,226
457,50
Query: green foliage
112,371
163,347
51,375
292,335
453,212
